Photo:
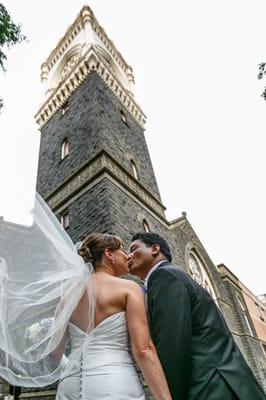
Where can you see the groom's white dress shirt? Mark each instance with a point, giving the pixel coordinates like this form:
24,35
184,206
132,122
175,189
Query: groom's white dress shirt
151,271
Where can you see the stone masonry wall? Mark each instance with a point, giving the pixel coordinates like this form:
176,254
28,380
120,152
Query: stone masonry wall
93,122
249,345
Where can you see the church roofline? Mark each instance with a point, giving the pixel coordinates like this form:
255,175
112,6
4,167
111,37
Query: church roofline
226,272
13,225
175,221
184,224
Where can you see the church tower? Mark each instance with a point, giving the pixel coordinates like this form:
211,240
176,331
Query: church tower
94,169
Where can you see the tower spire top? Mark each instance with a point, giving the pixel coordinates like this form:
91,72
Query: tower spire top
85,48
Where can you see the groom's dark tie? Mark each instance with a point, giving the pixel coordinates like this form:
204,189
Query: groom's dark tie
144,291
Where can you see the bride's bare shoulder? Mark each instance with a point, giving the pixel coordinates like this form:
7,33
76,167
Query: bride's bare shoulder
129,284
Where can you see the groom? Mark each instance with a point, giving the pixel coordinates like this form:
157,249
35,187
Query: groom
198,354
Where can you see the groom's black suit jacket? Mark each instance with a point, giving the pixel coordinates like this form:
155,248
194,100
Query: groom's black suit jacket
199,356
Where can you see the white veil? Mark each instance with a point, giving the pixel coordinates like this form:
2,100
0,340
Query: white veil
42,279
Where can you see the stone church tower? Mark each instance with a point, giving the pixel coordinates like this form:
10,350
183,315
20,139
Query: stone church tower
95,170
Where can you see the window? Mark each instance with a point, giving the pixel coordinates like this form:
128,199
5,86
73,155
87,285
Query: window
244,310
64,149
199,274
195,269
124,118
262,314
259,311
241,303
145,226
65,108
248,325
134,169
64,220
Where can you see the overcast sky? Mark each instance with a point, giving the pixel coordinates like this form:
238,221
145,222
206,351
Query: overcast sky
195,65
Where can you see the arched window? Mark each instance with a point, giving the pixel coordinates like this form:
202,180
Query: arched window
124,118
145,225
244,311
65,108
64,219
64,148
248,325
134,169
241,303
198,273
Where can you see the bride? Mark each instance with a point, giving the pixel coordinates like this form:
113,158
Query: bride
54,296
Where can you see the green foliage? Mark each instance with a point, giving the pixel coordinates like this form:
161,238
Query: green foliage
262,72
10,34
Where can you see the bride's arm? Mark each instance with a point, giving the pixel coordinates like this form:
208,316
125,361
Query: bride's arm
77,315
58,353
142,346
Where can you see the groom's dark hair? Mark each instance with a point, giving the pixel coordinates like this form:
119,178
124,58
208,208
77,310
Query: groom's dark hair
150,238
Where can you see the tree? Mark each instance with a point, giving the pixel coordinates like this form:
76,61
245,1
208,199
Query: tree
10,34
262,72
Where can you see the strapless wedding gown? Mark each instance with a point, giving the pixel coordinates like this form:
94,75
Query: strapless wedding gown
104,369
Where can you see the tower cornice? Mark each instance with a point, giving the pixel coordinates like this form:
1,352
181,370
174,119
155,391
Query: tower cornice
102,163
89,63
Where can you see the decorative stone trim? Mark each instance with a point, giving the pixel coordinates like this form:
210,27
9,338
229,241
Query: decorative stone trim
86,16
40,394
63,44
84,49
100,164
199,270
98,179
89,63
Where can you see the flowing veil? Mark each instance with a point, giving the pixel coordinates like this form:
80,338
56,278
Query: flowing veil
42,279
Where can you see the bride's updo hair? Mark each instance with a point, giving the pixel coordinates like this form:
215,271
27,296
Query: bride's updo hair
93,246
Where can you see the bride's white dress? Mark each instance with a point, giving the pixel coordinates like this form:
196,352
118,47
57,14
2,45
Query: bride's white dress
103,369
